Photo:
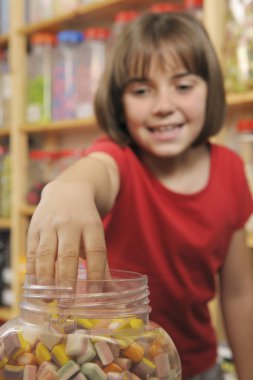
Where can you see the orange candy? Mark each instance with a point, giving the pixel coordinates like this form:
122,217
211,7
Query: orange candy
112,367
135,352
154,350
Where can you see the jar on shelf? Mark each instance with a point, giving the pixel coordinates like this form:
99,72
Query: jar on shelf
65,6
39,78
165,7
195,7
67,157
70,331
4,16
90,60
238,46
121,19
5,182
42,169
5,90
65,77
245,139
36,11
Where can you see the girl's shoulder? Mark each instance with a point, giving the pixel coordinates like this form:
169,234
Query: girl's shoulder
225,156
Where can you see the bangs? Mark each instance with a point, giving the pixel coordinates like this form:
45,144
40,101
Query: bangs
173,51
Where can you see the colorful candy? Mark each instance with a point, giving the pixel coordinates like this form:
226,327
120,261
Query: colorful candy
122,353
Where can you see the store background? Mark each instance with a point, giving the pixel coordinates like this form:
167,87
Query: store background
46,117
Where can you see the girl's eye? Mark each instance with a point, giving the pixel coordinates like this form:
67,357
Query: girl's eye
184,86
140,90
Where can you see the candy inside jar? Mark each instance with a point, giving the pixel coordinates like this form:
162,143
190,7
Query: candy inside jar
69,331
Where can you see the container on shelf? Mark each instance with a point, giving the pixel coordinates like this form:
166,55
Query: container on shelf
90,59
42,169
245,139
165,7
39,78
65,158
65,74
65,6
37,11
121,19
5,90
195,7
5,182
238,47
4,17
85,329
6,294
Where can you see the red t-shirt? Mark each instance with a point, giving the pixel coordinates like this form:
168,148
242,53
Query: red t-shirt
179,241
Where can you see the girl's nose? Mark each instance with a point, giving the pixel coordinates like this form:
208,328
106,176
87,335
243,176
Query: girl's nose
164,104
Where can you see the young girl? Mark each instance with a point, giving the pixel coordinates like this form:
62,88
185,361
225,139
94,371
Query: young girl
156,196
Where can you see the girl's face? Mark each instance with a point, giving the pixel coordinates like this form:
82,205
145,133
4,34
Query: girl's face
165,111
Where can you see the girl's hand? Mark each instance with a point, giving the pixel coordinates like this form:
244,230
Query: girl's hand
66,224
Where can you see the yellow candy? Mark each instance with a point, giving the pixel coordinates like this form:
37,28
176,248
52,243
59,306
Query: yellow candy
85,323
24,345
136,323
149,363
3,362
59,354
42,353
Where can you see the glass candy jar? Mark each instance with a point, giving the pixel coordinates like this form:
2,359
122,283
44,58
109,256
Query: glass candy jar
87,330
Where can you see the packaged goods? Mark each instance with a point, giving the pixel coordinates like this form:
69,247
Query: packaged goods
39,78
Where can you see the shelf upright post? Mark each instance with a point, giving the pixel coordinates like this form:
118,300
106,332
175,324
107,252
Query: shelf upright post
18,142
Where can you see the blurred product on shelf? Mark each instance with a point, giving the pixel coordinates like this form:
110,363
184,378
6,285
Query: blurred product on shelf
4,17
245,141
5,90
36,11
238,47
195,7
65,64
39,78
5,182
42,169
6,295
121,19
45,166
64,6
245,149
166,7
90,58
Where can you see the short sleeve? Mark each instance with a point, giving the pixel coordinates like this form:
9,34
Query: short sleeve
118,153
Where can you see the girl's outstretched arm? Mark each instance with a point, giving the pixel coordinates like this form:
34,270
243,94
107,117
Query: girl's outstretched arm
67,221
237,304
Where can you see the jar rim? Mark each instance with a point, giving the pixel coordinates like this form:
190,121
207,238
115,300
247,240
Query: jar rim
125,293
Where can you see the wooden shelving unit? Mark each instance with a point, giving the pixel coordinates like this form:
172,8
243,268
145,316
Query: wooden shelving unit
100,13
88,124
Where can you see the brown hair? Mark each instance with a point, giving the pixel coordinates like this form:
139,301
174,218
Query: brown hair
181,35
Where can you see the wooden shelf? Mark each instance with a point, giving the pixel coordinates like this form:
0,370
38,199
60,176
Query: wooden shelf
4,40
27,210
4,132
5,223
240,98
86,15
54,126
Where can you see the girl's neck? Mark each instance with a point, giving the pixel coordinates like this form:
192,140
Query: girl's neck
187,173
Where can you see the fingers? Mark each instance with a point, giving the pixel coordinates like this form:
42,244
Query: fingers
95,251
68,255
32,244
46,256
